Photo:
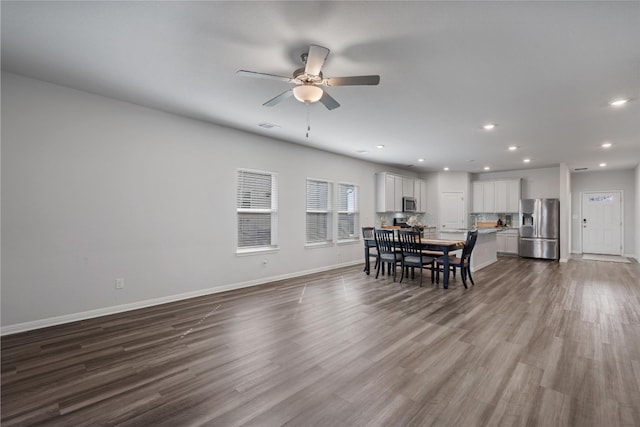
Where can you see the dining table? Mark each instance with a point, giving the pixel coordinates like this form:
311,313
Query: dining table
437,245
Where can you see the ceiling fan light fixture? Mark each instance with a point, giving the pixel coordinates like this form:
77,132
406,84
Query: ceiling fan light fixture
307,93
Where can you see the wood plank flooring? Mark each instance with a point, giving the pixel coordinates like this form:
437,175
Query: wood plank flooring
534,343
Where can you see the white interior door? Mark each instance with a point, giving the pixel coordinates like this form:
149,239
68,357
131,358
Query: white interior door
452,210
602,223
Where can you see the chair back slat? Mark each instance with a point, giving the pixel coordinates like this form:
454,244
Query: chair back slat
384,241
409,242
367,232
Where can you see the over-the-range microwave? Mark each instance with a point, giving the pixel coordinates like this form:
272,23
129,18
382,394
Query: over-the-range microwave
409,204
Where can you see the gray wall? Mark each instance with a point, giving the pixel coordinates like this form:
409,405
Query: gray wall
95,189
624,180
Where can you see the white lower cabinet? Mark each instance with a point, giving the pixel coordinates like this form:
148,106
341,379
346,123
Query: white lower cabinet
507,242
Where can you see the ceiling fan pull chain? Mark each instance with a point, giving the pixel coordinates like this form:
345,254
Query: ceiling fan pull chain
308,122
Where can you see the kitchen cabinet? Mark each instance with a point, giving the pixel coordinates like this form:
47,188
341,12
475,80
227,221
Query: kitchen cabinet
496,196
513,195
483,196
476,201
507,195
408,187
389,190
489,196
507,242
421,195
501,196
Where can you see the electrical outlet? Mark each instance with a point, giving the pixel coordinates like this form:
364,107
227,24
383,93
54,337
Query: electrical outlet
119,283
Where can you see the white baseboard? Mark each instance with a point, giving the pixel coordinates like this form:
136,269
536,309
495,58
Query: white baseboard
484,264
74,317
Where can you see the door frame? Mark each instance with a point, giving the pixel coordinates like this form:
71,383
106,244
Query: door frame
464,213
621,193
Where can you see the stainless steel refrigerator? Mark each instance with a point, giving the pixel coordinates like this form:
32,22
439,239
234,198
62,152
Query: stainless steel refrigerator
539,228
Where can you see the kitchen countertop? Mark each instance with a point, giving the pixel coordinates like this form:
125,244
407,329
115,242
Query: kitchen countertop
464,230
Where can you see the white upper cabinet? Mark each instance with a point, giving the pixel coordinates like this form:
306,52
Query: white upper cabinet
501,196
420,193
389,192
489,196
390,189
483,196
513,195
408,187
496,196
397,199
478,196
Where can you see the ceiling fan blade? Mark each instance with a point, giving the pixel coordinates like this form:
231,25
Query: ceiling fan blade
246,73
278,99
352,81
315,59
328,101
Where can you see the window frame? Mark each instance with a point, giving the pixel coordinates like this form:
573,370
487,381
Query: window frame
355,212
329,211
272,211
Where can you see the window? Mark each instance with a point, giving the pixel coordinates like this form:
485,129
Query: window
319,211
257,207
347,212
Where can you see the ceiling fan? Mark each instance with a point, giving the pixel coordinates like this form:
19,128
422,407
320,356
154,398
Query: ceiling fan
309,78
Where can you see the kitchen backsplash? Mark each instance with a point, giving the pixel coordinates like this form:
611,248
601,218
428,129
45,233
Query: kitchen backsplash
387,218
509,220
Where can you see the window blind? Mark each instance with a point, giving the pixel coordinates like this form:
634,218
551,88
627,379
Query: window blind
348,215
257,207
318,219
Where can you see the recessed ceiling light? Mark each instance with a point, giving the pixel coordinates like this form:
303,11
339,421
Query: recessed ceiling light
513,148
421,160
526,160
487,168
446,168
603,165
606,145
379,146
489,126
618,102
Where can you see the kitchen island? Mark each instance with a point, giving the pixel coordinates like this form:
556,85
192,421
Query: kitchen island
485,251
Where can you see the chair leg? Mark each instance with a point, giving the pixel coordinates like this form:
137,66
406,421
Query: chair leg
402,268
378,268
469,274
421,268
464,276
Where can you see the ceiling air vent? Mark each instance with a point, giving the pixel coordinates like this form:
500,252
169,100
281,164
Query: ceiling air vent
267,125
580,169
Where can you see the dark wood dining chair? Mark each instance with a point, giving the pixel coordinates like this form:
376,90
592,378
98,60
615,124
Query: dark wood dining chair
412,255
370,250
463,262
387,253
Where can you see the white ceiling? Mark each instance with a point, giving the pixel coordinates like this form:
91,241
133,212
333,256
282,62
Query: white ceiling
543,71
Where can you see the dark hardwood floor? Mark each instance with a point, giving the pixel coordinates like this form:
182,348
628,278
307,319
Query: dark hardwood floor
534,343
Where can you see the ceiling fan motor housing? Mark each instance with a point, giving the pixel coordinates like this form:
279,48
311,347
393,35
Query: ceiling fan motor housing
303,78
